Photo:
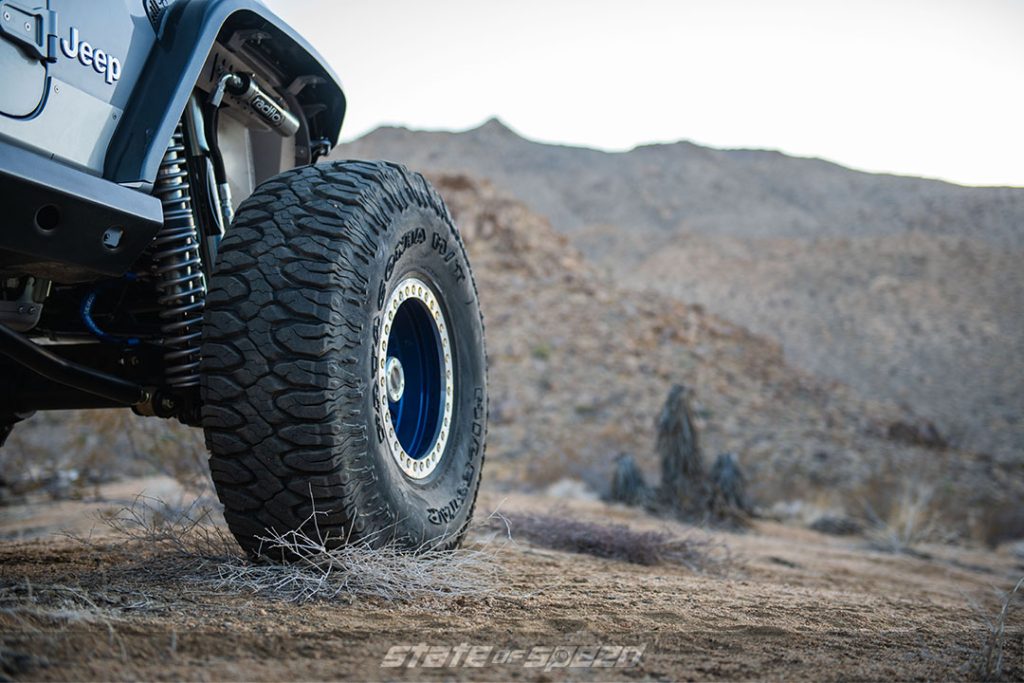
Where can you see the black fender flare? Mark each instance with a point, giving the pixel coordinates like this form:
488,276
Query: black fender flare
187,33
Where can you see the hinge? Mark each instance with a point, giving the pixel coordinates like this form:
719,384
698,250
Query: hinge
34,28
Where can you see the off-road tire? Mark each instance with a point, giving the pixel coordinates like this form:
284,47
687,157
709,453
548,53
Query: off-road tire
293,313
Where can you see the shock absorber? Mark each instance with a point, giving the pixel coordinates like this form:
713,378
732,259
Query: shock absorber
180,284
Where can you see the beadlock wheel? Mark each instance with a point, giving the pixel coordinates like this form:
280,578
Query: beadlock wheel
414,364
344,377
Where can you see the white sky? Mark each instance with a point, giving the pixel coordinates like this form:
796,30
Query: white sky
922,87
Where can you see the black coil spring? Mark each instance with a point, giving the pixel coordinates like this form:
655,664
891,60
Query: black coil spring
181,287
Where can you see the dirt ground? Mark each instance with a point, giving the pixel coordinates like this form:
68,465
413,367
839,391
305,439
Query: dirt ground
789,604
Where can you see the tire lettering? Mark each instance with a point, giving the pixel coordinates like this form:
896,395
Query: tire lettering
440,245
410,239
449,511
378,419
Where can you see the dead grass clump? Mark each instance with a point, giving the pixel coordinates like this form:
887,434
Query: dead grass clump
989,663
319,568
616,541
908,522
189,529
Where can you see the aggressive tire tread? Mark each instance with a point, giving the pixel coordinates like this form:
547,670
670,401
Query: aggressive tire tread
283,392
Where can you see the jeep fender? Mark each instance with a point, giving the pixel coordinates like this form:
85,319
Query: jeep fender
187,32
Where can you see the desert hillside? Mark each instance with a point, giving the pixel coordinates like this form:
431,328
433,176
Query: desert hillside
908,290
580,366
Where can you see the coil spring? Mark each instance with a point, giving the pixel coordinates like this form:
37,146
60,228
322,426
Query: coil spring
180,284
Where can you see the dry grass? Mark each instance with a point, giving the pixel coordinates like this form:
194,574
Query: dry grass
990,663
908,522
321,570
617,541
186,529
55,608
318,567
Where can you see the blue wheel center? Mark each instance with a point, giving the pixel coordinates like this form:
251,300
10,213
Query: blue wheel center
414,342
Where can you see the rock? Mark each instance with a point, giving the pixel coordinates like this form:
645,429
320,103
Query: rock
918,433
837,525
571,489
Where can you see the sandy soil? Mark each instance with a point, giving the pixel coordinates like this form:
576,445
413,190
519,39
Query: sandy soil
792,604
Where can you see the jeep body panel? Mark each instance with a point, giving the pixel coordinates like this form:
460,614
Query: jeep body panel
105,103
85,89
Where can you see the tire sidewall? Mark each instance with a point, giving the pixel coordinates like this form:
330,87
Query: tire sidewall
437,507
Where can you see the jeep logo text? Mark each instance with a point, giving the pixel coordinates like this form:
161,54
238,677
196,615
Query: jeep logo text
100,61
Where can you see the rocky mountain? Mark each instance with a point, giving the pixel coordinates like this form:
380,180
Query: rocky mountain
908,290
580,365
661,190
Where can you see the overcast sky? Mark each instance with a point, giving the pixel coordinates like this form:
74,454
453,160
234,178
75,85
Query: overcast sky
921,87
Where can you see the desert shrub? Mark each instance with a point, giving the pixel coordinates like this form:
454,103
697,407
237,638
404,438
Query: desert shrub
687,489
172,449
919,432
728,498
908,521
628,484
616,541
836,525
189,529
683,483
62,456
1001,521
